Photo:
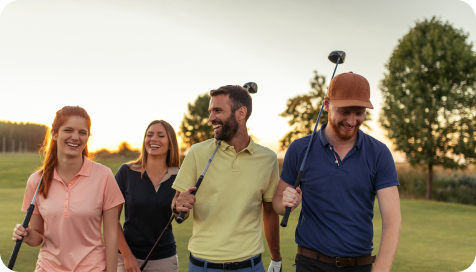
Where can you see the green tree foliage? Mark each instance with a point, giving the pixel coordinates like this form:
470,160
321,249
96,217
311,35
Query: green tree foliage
31,136
195,127
303,111
429,92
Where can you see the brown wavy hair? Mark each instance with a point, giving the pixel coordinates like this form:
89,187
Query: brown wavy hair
50,146
173,157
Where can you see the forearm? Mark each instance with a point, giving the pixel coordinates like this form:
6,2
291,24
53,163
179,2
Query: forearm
34,238
388,246
122,243
271,230
389,203
110,238
278,204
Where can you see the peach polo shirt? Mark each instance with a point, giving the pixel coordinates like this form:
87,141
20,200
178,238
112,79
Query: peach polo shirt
73,217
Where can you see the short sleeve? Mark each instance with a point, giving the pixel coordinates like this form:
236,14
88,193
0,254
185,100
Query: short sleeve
273,183
112,194
121,178
187,175
30,190
386,175
290,165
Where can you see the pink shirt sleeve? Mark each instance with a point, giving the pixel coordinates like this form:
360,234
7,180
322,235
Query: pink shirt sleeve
112,194
30,190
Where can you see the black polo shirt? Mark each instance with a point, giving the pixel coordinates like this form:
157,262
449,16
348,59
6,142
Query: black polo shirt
146,213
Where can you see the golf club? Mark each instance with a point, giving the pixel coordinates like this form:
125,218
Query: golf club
26,221
336,57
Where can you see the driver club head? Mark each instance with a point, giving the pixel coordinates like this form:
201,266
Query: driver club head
334,55
252,87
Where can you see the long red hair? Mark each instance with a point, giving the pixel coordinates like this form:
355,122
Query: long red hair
50,147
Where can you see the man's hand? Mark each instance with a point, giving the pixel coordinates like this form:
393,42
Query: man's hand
186,200
292,198
275,266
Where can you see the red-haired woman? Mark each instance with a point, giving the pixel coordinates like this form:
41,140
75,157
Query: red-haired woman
146,185
75,197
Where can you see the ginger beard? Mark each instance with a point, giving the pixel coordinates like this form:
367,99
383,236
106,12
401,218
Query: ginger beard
339,132
228,128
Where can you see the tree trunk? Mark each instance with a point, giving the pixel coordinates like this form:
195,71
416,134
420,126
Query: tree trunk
429,181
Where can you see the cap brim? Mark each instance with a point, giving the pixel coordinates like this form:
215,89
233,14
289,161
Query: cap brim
351,103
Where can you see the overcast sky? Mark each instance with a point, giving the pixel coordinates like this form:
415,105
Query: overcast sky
130,62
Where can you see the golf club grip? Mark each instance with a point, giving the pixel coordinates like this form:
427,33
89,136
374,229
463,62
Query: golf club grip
182,214
284,222
18,243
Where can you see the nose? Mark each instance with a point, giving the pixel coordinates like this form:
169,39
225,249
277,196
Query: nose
211,117
352,119
75,135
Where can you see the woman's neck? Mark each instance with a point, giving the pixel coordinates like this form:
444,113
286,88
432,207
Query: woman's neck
68,167
156,164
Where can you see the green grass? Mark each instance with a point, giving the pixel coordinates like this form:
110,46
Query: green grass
435,236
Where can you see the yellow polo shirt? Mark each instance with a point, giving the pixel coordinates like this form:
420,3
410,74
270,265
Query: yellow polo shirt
227,215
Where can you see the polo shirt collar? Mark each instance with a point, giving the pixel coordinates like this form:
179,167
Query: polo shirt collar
324,141
85,169
250,148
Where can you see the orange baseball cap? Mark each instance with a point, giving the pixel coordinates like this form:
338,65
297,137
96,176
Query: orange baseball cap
348,90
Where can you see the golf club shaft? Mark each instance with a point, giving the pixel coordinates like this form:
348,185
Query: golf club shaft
26,221
156,243
284,222
199,181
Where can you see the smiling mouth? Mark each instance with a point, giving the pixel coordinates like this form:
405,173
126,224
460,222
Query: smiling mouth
154,146
215,127
72,145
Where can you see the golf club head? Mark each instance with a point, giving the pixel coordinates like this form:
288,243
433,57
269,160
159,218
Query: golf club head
252,87
334,55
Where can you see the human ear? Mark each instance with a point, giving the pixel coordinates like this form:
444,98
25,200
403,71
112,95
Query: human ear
327,103
54,136
241,113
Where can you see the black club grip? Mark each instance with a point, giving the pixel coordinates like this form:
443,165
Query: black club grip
18,243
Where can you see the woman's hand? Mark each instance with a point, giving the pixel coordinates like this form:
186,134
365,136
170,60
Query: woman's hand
20,231
131,264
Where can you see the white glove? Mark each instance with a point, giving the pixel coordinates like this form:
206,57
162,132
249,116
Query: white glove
275,266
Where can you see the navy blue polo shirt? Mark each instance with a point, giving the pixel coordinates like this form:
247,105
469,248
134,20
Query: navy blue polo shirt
338,195
147,212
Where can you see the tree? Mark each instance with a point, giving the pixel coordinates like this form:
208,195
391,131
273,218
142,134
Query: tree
195,127
304,110
429,92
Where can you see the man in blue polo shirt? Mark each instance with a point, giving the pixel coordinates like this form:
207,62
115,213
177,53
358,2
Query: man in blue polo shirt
345,170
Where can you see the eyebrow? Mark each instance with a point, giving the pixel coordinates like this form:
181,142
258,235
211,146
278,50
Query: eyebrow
215,108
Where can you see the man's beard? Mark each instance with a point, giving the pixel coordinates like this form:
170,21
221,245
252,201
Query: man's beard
344,136
228,128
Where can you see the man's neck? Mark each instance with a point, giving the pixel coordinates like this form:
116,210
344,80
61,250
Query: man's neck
240,141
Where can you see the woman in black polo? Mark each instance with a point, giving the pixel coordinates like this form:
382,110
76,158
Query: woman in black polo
146,186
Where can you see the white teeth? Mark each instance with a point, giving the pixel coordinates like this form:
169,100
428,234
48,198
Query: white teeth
73,145
216,126
154,146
